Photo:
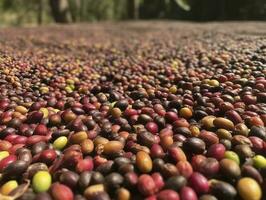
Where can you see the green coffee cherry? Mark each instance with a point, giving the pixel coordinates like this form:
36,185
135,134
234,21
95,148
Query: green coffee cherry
60,143
259,161
68,89
41,181
72,86
113,104
232,155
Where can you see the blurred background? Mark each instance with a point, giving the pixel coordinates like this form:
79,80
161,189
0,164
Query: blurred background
37,12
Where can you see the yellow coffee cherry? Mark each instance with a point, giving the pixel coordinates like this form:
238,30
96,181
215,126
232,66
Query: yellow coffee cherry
21,109
173,89
8,187
3,154
249,189
45,112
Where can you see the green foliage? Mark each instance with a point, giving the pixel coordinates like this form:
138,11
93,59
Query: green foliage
19,12
98,10
102,10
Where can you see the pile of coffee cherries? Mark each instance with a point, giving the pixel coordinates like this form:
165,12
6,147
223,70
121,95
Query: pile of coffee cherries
154,112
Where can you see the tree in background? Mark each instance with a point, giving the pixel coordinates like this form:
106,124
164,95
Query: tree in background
60,11
133,9
40,12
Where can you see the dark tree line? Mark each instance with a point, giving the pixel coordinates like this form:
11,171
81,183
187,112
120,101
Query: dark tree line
205,10
200,10
71,11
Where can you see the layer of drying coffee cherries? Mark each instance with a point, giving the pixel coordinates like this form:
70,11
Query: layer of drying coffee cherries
153,114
